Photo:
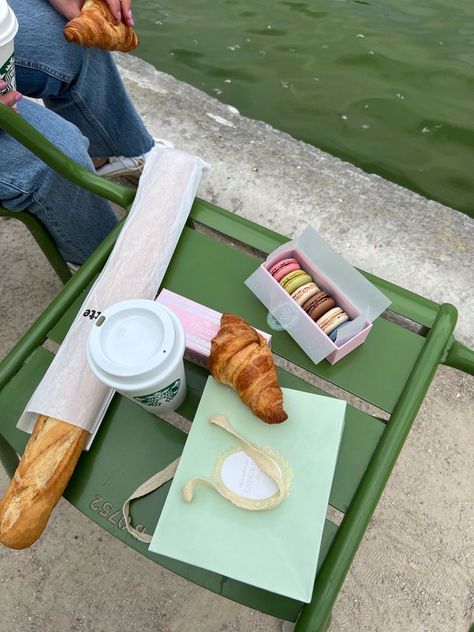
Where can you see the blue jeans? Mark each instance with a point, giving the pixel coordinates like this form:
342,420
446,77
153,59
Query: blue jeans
88,114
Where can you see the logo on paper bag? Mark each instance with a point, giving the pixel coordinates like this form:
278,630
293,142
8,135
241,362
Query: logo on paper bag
240,474
249,476
163,396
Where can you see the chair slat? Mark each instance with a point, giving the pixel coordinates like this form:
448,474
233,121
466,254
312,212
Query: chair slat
360,437
213,274
404,302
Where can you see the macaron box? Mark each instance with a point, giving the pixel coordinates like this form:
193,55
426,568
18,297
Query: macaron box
323,302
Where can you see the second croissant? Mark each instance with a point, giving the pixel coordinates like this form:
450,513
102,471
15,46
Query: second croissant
96,26
241,358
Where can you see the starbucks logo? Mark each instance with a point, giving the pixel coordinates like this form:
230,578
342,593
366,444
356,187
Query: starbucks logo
163,396
7,73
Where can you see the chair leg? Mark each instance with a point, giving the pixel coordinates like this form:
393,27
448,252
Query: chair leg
44,241
8,457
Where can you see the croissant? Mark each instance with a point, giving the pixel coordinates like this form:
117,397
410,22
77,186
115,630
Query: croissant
241,358
96,26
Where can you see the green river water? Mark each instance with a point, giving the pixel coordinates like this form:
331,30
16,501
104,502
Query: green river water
387,85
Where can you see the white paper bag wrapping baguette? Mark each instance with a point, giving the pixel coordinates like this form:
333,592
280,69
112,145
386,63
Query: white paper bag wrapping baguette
69,390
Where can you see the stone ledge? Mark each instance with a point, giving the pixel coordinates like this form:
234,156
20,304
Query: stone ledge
282,183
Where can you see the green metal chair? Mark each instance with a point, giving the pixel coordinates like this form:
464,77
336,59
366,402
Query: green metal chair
43,239
119,460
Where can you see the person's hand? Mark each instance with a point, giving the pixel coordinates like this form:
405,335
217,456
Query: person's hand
121,9
10,98
69,8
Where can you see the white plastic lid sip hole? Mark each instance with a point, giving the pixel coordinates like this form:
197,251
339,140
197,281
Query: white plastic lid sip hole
132,338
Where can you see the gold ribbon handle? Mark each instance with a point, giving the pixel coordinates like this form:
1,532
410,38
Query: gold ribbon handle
147,487
262,459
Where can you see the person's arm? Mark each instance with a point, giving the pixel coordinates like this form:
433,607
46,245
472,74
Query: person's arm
71,9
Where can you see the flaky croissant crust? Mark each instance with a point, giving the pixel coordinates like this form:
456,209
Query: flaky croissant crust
96,26
241,358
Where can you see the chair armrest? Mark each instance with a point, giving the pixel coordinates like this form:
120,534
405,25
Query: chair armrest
460,357
33,140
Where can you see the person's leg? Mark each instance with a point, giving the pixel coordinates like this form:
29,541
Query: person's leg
76,219
81,84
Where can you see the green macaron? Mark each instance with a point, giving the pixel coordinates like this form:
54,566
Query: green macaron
292,281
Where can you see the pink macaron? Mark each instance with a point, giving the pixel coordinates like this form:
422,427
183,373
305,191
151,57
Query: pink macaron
284,267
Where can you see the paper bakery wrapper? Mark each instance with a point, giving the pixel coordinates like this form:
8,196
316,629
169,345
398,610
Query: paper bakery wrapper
69,390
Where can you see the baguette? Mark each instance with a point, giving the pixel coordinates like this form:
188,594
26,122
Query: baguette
44,471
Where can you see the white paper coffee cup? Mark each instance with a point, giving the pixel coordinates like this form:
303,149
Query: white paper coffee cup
137,347
8,30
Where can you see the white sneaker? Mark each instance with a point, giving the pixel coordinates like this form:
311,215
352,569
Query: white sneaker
122,166
73,267
164,142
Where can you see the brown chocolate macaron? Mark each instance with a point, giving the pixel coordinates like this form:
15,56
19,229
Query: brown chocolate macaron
318,305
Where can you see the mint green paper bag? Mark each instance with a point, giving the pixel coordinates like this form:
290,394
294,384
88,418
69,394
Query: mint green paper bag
275,549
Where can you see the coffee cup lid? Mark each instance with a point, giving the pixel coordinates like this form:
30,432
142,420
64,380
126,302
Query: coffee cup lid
8,23
132,338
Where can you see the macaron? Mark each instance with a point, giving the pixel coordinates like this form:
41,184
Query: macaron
332,319
291,282
284,267
318,305
305,292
